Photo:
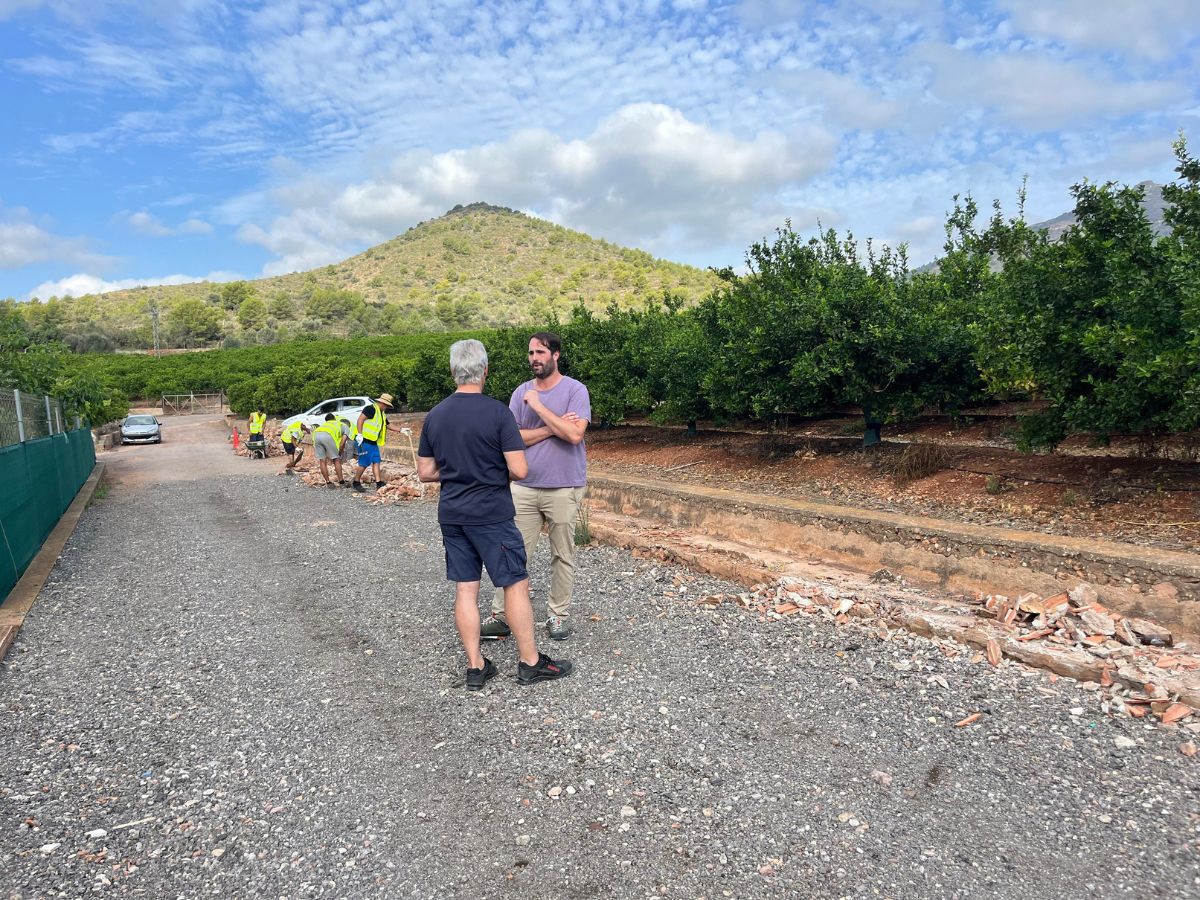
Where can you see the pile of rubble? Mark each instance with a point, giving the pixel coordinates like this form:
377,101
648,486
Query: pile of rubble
401,484
395,491
1138,664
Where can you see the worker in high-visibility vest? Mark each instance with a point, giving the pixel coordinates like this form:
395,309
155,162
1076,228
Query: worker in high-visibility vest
372,435
258,422
291,436
327,443
350,444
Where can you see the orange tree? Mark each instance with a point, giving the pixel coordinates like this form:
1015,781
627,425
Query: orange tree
1104,324
817,324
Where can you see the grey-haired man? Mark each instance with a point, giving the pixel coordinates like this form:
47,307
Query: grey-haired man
470,443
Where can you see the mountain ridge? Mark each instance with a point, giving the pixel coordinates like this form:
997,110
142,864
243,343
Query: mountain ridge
477,265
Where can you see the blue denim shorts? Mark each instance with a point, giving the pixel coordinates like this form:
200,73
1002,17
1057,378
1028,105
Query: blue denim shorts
499,548
368,453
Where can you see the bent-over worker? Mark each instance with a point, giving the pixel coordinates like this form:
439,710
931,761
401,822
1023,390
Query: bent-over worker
328,440
291,436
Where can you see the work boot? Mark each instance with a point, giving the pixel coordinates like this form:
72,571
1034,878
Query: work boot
493,629
357,485
380,484
557,628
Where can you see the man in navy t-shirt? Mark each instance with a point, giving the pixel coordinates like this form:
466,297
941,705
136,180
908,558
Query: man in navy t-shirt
471,444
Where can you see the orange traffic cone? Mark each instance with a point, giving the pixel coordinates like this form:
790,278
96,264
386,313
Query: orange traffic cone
236,439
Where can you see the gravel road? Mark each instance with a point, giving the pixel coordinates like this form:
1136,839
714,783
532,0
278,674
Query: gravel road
238,686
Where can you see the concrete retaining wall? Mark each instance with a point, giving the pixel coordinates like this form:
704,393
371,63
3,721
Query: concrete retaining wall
1139,581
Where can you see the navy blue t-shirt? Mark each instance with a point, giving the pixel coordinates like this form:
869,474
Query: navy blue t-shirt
467,435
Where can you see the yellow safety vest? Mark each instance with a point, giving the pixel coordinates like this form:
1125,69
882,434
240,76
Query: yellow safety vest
257,421
375,428
334,430
353,426
293,434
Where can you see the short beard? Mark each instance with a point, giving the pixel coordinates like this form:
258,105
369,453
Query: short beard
549,369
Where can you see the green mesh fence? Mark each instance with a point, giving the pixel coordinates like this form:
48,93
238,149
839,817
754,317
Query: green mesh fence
41,477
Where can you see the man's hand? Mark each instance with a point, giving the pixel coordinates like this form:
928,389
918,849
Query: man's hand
427,469
533,399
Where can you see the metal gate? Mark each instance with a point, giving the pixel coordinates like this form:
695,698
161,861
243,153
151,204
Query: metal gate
191,404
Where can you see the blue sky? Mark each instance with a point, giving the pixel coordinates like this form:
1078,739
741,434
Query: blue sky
155,141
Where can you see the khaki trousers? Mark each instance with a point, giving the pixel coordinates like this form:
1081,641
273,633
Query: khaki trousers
557,510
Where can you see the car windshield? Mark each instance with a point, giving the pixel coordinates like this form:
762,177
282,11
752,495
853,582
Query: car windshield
140,420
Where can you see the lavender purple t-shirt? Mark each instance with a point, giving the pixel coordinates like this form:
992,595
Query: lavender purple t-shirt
554,463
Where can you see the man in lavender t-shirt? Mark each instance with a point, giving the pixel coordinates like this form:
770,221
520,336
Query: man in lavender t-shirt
552,412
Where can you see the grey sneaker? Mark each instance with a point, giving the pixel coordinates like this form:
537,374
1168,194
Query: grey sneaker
557,628
494,628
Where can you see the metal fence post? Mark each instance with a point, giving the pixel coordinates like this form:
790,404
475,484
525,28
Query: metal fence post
78,422
20,416
49,415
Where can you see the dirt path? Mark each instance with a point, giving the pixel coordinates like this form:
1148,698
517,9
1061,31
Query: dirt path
247,686
193,447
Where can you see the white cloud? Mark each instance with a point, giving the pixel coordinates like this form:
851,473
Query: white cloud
644,175
1033,91
1150,28
193,226
844,101
148,224
24,241
83,283
145,223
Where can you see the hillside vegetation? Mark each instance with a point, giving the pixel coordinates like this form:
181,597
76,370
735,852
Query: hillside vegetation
1102,326
476,266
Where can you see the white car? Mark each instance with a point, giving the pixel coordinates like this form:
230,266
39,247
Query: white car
343,407
141,429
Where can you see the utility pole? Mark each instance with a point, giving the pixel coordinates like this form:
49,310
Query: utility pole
152,305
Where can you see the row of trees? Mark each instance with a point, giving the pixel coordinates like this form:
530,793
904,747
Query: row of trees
48,368
1103,325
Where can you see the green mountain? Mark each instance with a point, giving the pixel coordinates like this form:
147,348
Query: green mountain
475,266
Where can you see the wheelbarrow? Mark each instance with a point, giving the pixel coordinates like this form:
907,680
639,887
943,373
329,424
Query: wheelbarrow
257,449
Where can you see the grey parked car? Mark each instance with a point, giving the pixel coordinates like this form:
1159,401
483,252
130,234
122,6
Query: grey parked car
141,429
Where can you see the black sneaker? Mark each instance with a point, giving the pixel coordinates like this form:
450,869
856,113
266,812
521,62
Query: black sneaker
477,678
357,485
380,484
494,629
547,669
